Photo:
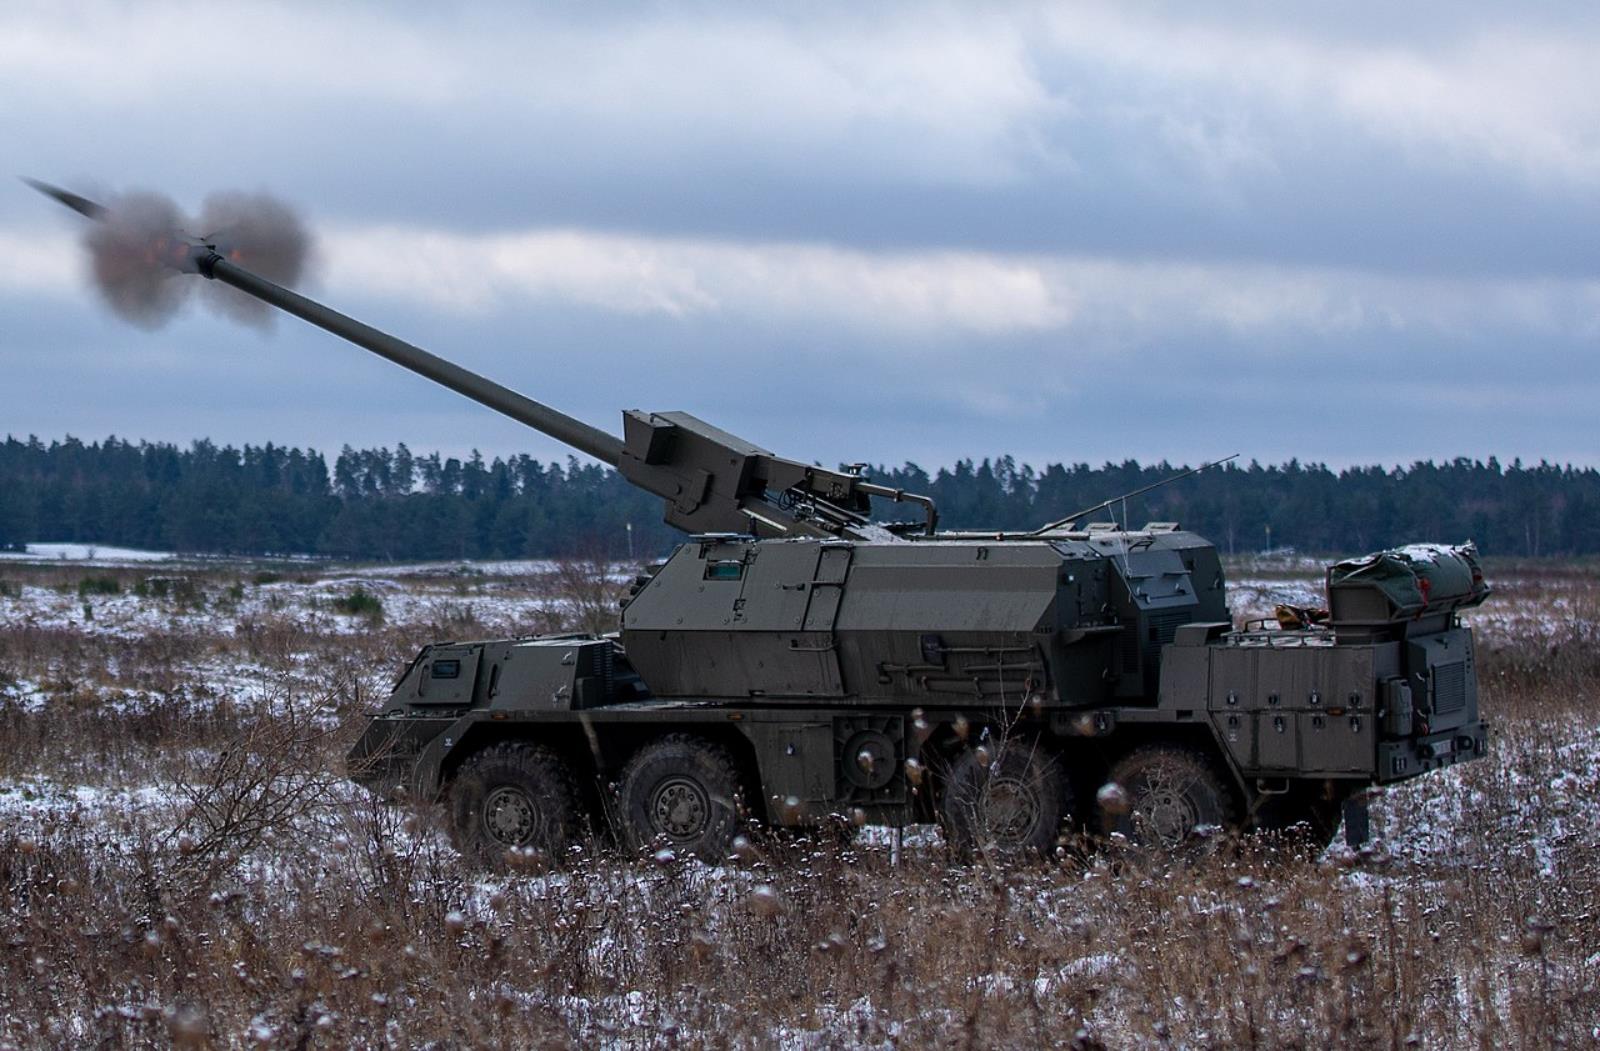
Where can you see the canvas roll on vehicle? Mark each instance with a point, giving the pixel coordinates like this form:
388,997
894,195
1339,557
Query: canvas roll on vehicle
793,660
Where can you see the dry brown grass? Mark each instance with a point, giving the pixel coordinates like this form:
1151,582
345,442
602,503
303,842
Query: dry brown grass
214,884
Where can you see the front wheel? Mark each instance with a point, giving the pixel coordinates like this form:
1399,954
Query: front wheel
513,795
1008,796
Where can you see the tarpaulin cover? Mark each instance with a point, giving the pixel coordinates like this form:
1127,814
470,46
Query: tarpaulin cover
1418,577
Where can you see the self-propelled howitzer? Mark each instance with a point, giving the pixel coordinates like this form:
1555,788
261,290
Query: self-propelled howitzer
794,660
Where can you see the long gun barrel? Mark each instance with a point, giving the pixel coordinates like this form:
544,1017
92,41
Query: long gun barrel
712,481
576,433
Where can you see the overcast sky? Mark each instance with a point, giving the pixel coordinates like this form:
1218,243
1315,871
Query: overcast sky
1070,232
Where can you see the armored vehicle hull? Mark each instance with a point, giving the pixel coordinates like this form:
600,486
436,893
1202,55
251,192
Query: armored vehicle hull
993,686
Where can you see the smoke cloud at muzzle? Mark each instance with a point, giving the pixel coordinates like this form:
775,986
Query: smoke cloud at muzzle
138,249
128,253
261,234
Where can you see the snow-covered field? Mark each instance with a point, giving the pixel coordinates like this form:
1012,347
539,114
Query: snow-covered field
162,891
85,554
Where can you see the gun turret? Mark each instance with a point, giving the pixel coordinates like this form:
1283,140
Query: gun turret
712,481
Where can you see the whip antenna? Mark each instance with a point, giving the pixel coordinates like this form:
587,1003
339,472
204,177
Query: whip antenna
1125,497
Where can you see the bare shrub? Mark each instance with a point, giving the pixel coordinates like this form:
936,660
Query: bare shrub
272,781
360,602
587,594
99,585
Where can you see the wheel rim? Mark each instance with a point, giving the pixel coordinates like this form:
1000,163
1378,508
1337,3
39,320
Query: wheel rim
680,808
1165,810
509,816
1009,809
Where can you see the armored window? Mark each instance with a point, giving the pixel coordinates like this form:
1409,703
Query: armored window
445,670
724,570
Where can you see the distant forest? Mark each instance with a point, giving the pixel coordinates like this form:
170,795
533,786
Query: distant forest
393,504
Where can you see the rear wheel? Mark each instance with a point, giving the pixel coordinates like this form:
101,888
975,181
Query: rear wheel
513,795
682,791
1005,796
1171,798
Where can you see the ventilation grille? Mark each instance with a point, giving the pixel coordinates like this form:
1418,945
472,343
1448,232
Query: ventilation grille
1128,643
1449,688
600,664
1164,626
1161,629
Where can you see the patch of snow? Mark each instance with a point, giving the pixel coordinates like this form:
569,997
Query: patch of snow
26,694
458,568
41,798
89,554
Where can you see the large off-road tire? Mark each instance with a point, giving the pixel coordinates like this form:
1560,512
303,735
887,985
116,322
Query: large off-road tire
513,795
1172,798
1004,796
683,792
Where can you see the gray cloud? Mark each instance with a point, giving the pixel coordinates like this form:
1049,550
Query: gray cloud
1067,231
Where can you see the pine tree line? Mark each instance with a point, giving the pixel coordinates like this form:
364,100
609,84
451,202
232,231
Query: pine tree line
393,504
